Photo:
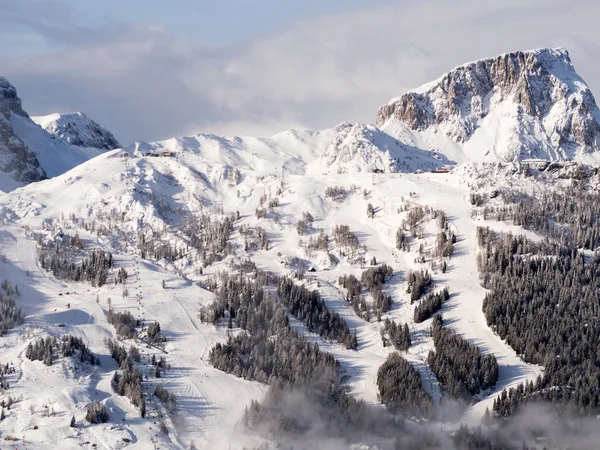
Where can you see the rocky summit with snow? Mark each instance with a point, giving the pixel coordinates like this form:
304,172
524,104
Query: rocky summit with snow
77,129
516,106
392,287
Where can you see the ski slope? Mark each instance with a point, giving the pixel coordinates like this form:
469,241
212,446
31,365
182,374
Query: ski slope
211,403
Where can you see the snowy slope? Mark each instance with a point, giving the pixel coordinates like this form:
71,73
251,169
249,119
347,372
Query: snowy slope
208,172
54,155
364,148
77,129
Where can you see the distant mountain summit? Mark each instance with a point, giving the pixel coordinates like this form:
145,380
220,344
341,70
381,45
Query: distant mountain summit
512,107
77,129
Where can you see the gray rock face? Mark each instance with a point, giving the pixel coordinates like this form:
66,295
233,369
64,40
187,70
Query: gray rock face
10,103
548,95
16,159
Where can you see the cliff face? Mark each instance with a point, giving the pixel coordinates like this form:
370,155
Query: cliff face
532,94
16,159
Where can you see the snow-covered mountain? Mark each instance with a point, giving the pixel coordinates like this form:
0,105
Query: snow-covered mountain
178,215
77,129
28,153
516,106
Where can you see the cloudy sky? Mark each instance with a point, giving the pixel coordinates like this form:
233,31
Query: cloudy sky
152,69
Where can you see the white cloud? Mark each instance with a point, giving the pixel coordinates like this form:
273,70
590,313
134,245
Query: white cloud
143,83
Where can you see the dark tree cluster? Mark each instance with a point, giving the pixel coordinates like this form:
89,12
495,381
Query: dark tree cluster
10,313
124,322
309,307
431,304
298,373
5,369
167,399
119,354
336,193
414,217
570,217
121,276
96,413
44,349
255,238
402,240
243,301
209,234
321,242
305,224
159,365
271,352
284,355
395,334
400,388
94,268
127,380
444,244
458,365
345,238
271,349
373,279
154,336
154,248
419,282
72,345
543,301
353,296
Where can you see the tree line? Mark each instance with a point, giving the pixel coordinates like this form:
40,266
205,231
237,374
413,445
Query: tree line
395,334
59,259
431,304
46,349
400,388
543,301
458,365
309,307
10,313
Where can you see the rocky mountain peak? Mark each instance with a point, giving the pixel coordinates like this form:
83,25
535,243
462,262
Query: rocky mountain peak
537,92
77,129
10,103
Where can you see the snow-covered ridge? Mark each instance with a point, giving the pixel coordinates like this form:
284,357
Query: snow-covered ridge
515,106
364,148
77,129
